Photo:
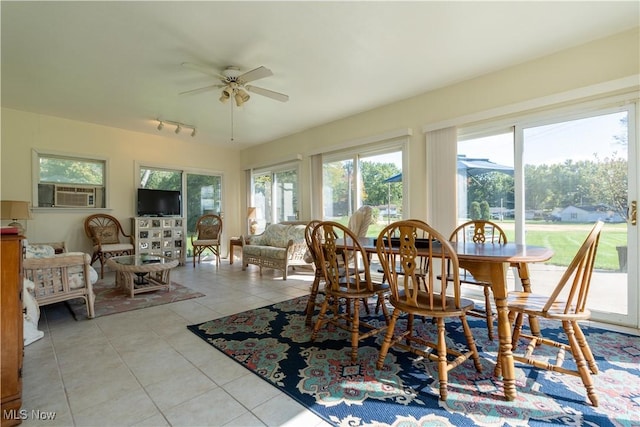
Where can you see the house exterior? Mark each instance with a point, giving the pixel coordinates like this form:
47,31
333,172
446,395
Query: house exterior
588,214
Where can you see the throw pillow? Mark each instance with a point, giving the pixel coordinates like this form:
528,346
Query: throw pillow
209,232
107,235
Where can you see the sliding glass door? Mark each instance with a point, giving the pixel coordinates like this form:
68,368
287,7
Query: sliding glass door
565,175
576,172
274,196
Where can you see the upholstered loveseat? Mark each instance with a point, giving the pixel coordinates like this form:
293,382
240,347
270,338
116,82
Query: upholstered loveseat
280,246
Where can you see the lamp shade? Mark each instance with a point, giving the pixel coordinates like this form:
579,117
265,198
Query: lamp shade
15,210
251,212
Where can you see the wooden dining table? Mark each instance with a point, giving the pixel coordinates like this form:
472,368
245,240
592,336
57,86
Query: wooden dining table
489,262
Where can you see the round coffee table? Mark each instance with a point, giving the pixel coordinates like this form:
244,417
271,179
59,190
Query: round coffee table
143,273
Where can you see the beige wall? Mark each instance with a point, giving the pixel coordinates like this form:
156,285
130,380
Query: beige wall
601,61
22,132
595,63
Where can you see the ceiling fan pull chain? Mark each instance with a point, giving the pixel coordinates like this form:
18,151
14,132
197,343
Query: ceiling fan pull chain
231,105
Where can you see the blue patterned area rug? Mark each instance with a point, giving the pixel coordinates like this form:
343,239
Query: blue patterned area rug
273,342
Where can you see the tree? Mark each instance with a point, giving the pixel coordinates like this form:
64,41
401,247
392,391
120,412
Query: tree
485,212
376,191
610,183
476,212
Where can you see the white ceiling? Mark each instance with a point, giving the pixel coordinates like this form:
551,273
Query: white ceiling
119,63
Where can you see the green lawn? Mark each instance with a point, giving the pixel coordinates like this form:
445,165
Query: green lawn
563,238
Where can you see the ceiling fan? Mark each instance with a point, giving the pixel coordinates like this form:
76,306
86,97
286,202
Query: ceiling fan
234,83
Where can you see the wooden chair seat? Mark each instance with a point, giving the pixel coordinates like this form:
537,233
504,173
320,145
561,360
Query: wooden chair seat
534,305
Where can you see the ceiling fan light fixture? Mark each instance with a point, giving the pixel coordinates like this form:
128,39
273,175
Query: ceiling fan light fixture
193,132
178,128
241,97
226,94
160,125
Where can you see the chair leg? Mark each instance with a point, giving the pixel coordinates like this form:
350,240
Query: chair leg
586,350
488,312
101,266
355,329
320,319
471,343
443,374
580,362
311,304
387,339
516,321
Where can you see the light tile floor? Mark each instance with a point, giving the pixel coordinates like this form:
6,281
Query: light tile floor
144,368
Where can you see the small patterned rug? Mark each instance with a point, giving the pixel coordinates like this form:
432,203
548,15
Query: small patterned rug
112,300
273,342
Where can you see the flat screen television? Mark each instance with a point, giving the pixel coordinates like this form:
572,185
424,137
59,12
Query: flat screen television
158,202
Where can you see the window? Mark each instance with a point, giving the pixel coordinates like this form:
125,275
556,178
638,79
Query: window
371,177
160,179
485,177
69,182
274,195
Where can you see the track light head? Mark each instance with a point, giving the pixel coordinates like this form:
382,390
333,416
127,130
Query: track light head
179,126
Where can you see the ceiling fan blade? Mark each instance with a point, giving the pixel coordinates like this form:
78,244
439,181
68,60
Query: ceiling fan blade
258,73
202,89
268,93
203,69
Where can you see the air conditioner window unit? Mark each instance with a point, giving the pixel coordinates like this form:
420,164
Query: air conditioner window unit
75,196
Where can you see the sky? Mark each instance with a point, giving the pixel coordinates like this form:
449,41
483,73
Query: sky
576,140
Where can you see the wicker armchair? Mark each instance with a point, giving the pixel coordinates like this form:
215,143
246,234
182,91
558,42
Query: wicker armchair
108,238
208,233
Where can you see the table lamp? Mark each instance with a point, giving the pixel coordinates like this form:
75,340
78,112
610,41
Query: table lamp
15,210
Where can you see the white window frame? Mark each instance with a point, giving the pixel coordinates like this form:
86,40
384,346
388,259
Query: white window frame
355,153
36,155
280,167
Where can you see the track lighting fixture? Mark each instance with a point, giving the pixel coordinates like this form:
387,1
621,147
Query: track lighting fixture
179,126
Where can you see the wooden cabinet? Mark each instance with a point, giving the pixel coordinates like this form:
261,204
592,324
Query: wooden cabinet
161,236
11,323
